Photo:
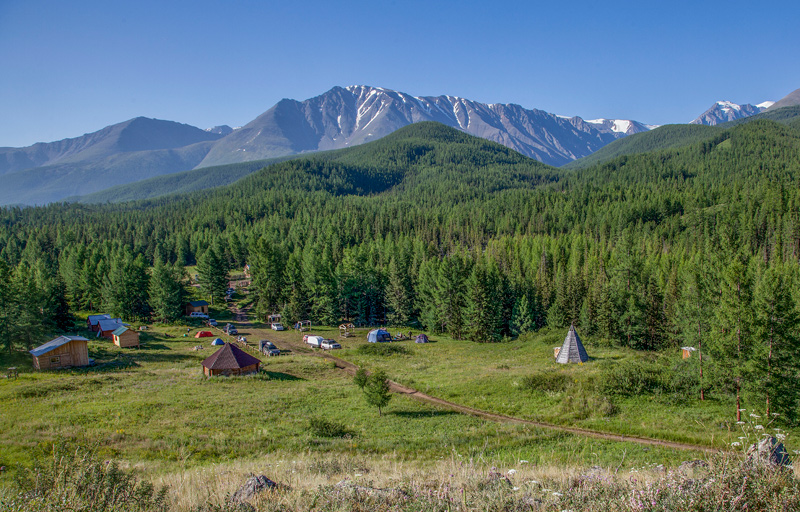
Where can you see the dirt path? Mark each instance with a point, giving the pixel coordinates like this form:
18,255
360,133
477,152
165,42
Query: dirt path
299,347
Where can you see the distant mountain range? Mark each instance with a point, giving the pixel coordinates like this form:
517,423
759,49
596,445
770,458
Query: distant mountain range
143,148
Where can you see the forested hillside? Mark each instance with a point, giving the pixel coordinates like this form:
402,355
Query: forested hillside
697,246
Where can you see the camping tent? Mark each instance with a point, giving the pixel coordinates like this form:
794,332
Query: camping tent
572,350
421,338
218,341
204,334
378,336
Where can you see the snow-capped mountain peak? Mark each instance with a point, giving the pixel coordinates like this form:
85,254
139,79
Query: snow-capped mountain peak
723,111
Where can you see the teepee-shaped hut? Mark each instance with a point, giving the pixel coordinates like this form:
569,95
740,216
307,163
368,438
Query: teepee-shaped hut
572,350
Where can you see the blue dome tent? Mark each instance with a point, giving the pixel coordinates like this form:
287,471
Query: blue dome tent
378,336
218,341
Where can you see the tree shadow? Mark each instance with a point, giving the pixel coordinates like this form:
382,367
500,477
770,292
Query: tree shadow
280,376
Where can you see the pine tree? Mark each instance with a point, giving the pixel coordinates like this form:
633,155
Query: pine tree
522,317
776,326
167,293
212,274
483,303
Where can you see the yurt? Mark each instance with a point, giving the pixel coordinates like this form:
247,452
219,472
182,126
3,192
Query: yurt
378,336
230,360
572,350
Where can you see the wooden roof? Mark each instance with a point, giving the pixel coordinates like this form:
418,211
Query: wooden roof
229,357
54,344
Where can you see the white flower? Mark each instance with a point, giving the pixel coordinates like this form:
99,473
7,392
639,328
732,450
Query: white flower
357,474
523,462
557,494
736,443
742,437
742,410
759,427
781,436
515,488
740,423
754,415
512,471
537,482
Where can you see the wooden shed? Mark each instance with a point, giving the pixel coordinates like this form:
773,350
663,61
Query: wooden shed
62,352
107,326
92,321
197,306
686,352
124,337
230,360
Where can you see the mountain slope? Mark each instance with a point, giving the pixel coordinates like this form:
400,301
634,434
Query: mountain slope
138,134
790,100
42,185
344,117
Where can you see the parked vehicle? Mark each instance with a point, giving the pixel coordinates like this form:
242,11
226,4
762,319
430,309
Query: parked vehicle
277,326
212,322
314,341
268,348
197,314
230,330
330,345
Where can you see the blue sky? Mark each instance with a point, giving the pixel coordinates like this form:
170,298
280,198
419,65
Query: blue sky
74,67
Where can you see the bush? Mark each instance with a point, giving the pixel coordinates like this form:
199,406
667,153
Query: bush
552,381
324,428
383,349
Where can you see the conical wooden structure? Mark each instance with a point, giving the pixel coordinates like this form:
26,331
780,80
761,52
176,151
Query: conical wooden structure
572,350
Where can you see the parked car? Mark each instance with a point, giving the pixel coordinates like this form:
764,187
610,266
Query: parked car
230,330
269,348
329,345
212,322
197,314
277,326
314,341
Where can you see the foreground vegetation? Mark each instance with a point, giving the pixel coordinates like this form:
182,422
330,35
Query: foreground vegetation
69,477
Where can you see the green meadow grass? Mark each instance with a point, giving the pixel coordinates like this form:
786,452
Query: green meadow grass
152,406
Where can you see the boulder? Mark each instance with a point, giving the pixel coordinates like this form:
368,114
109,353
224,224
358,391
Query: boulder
769,451
254,485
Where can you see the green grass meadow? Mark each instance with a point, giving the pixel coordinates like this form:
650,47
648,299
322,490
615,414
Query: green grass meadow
152,407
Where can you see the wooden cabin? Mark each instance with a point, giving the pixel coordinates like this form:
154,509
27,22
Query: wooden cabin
62,352
107,326
197,306
124,337
92,321
230,360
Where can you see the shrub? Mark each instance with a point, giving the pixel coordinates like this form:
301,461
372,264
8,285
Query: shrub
383,349
67,477
324,428
552,381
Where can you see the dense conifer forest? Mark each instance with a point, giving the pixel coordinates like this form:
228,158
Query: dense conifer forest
696,245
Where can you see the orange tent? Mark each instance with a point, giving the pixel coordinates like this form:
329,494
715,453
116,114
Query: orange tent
204,334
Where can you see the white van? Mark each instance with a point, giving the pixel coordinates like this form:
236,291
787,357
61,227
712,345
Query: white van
197,314
314,341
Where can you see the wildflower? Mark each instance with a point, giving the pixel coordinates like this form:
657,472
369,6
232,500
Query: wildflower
742,410
512,471
736,443
759,427
357,474
740,423
754,415
515,488
557,494
780,436
523,461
